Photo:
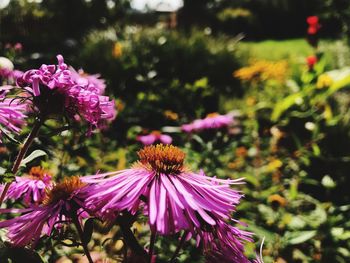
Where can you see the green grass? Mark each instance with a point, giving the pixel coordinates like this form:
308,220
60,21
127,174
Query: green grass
292,49
336,52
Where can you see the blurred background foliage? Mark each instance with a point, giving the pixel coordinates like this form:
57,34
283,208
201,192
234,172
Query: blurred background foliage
291,142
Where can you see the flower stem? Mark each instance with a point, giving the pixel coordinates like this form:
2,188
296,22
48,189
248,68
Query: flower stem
129,237
179,246
151,246
24,148
81,236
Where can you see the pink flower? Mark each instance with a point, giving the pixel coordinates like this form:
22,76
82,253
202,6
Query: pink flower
7,72
212,121
57,91
153,137
223,243
32,187
18,46
12,113
91,82
173,197
63,201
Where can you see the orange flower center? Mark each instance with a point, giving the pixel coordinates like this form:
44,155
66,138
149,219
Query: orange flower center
38,173
212,115
166,159
156,133
63,190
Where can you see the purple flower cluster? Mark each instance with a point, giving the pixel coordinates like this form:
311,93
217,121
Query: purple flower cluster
62,201
7,72
160,186
174,199
153,137
32,187
12,113
57,89
212,121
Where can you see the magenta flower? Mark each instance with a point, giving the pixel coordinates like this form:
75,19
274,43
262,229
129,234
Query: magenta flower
174,198
31,188
223,243
56,91
12,113
7,72
212,121
61,203
18,47
91,82
153,137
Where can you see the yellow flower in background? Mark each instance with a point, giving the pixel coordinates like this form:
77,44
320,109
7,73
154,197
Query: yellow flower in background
170,115
274,165
117,50
263,70
241,152
277,200
120,105
324,81
251,101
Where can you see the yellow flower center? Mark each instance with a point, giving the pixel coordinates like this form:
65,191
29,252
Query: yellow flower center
166,159
63,190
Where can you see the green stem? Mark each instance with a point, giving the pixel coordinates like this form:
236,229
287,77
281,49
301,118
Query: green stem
130,239
24,148
179,246
151,246
81,236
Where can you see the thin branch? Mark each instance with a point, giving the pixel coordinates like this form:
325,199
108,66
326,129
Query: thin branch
179,246
27,143
81,236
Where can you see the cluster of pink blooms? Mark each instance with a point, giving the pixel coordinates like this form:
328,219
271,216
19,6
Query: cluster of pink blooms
8,74
17,46
212,121
78,96
32,187
161,187
154,137
12,113
61,202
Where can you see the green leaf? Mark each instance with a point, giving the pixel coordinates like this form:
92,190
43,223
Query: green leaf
298,237
22,255
284,105
32,156
2,170
7,178
88,230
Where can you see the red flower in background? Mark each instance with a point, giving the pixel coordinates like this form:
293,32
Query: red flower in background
311,61
314,25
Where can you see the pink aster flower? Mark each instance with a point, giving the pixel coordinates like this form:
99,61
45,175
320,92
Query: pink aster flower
7,72
212,121
91,82
57,91
173,197
12,114
32,187
223,243
63,202
153,137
